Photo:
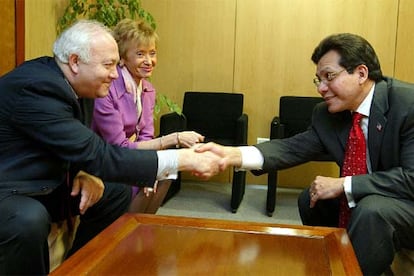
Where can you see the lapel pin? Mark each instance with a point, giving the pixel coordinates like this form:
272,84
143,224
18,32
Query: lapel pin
379,126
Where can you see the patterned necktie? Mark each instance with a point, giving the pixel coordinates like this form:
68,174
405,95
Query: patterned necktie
354,163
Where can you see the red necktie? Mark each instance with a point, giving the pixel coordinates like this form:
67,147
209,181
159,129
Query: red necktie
355,162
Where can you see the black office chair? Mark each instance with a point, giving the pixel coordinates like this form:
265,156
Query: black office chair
219,117
295,114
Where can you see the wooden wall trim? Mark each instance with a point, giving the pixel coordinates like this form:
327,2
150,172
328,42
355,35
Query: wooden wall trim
20,31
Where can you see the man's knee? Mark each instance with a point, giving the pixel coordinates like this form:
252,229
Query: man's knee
118,194
114,202
23,235
303,206
373,208
304,199
25,218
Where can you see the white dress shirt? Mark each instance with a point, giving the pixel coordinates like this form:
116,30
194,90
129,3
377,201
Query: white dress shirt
363,109
167,164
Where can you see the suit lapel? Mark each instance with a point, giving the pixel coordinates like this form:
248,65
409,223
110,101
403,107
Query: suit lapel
343,126
377,122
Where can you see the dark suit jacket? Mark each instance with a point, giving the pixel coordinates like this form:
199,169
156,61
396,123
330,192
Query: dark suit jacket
41,136
390,142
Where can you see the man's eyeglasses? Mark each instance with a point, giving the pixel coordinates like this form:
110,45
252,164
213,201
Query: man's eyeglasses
330,76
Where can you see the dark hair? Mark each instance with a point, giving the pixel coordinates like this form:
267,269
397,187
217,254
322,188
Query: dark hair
354,51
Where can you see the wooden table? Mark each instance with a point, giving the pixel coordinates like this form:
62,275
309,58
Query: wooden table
139,244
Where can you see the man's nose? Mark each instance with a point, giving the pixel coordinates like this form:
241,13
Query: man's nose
114,73
322,88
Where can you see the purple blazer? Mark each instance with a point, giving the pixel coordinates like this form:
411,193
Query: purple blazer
115,116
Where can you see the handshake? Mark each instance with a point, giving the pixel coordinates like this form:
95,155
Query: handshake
202,160
207,160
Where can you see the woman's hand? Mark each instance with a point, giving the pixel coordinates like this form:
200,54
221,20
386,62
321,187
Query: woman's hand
187,139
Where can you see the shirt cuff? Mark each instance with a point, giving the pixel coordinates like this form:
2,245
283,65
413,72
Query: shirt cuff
252,158
348,191
167,164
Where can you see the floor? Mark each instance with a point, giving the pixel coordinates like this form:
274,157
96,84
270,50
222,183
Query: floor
212,200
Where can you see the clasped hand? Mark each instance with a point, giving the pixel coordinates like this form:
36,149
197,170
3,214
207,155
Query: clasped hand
207,160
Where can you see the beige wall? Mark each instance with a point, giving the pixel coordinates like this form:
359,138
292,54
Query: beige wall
40,25
259,47
404,58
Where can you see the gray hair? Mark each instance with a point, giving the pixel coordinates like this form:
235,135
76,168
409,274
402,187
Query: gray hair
77,39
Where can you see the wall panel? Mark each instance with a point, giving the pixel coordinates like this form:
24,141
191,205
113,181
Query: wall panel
41,19
196,49
404,58
274,42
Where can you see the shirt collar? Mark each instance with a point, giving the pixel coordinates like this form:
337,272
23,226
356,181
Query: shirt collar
71,88
365,106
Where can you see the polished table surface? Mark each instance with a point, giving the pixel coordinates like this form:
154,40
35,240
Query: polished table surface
140,244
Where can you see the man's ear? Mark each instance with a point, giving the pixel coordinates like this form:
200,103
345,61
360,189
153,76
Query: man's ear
73,63
363,71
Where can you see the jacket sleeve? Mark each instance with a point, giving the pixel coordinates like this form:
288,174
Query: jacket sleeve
288,152
48,119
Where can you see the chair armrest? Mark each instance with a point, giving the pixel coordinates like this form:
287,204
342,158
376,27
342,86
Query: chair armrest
172,122
277,129
242,124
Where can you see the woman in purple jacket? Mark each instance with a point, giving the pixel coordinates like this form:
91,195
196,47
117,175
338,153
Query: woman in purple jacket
125,116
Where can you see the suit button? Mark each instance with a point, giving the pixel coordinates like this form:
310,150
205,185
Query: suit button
14,192
44,188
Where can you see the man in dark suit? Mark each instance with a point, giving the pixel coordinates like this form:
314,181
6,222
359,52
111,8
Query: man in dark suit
349,78
52,166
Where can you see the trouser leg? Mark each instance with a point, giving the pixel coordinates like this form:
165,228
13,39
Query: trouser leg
378,228
25,226
114,203
324,213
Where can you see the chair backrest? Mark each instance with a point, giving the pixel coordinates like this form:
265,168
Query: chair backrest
213,114
295,113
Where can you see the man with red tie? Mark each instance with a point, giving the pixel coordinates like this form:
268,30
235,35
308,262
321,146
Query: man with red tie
366,124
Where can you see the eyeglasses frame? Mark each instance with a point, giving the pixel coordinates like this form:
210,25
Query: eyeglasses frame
330,76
